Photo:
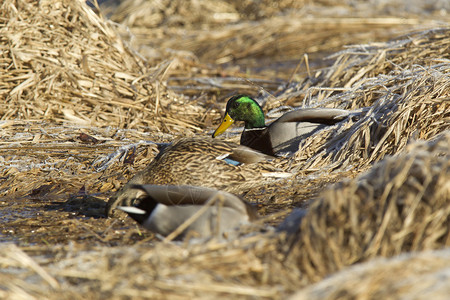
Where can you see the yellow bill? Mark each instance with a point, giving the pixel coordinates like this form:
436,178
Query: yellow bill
226,122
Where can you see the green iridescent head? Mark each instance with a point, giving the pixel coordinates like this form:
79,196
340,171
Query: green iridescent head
242,108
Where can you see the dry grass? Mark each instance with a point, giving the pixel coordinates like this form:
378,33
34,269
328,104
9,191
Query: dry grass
248,29
61,62
419,275
404,209
76,91
257,41
400,205
410,105
403,100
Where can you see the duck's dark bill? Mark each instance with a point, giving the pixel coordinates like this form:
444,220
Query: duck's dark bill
226,122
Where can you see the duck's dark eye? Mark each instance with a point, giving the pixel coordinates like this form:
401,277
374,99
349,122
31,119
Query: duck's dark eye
236,104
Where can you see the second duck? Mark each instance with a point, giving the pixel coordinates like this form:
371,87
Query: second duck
284,134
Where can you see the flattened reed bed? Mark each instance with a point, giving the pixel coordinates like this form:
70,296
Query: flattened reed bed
248,29
70,157
208,14
196,14
404,209
173,270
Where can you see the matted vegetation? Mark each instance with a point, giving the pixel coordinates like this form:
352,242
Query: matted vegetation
419,275
83,95
400,205
256,264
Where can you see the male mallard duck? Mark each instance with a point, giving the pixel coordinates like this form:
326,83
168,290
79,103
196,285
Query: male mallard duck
200,162
205,211
284,134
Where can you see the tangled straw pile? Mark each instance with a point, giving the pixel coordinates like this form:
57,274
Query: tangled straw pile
404,85
61,62
400,205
